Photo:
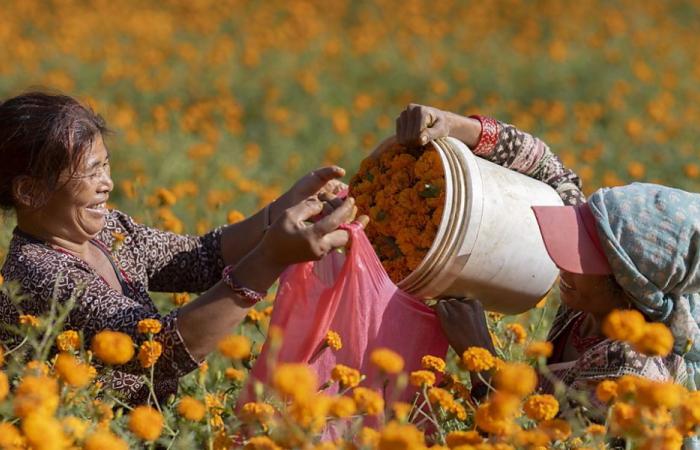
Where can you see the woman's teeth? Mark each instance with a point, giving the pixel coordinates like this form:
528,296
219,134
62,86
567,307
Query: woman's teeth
98,206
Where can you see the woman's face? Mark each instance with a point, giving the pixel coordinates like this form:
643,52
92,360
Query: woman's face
78,209
594,294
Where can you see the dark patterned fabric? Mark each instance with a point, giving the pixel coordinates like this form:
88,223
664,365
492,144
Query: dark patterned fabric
149,260
526,154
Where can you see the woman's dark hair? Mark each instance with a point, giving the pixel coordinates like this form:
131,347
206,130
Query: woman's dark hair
41,136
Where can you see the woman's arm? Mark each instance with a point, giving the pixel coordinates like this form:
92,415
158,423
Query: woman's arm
495,141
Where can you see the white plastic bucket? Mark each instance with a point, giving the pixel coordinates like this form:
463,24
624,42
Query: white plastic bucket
488,245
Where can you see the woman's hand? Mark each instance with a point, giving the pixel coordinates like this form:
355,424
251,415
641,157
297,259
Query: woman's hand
418,124
292,238
323,183
464,323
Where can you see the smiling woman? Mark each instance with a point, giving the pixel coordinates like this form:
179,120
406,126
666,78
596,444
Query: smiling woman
56,178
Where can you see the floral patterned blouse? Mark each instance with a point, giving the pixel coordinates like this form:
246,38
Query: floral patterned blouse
509,147
145,260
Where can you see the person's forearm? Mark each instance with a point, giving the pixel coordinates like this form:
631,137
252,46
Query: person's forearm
203,322
238,239
465,129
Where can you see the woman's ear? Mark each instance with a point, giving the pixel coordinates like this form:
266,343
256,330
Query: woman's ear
26,192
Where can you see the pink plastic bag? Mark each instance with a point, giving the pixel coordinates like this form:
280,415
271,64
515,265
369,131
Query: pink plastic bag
351,294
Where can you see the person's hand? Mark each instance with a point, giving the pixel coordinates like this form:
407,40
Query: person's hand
292,238
323,183
418,124
464,323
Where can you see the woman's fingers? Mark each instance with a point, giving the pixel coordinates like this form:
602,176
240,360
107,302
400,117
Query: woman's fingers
336,239
305,210
317,180
333,220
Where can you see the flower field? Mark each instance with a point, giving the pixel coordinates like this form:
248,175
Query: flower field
217,107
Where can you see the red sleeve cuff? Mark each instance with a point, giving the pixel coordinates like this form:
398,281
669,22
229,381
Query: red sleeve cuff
488,138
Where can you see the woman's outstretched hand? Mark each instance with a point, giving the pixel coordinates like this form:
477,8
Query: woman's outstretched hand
418,124
292,238
464,323
323,183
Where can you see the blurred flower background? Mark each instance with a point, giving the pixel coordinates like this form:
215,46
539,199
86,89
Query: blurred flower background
218,106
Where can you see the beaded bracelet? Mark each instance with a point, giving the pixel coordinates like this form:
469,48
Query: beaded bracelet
251,296
488,137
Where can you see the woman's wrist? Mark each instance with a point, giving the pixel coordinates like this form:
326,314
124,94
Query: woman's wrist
466,129
257,270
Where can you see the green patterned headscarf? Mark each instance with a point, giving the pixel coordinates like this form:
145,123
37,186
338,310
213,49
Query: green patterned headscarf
651,237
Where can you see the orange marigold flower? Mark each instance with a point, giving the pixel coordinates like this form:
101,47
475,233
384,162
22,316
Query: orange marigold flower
441,397
556,429
387,360
36,394
434,363
257,412
624,417
456,438
146,326
541,407
539,349
517,332
68,341
180,298
596,429
403,436
516,378
346,376
4,386
234,374
72,371
149,352
43,431
368,401
401,410
261,443
333,340
29,320
10,437
664,439
368,437
295,380
113,347
656,340
477,359
624,325
235,347
191,409
492,423
661,394
420,378
342,407
103,439
606,390
146,423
